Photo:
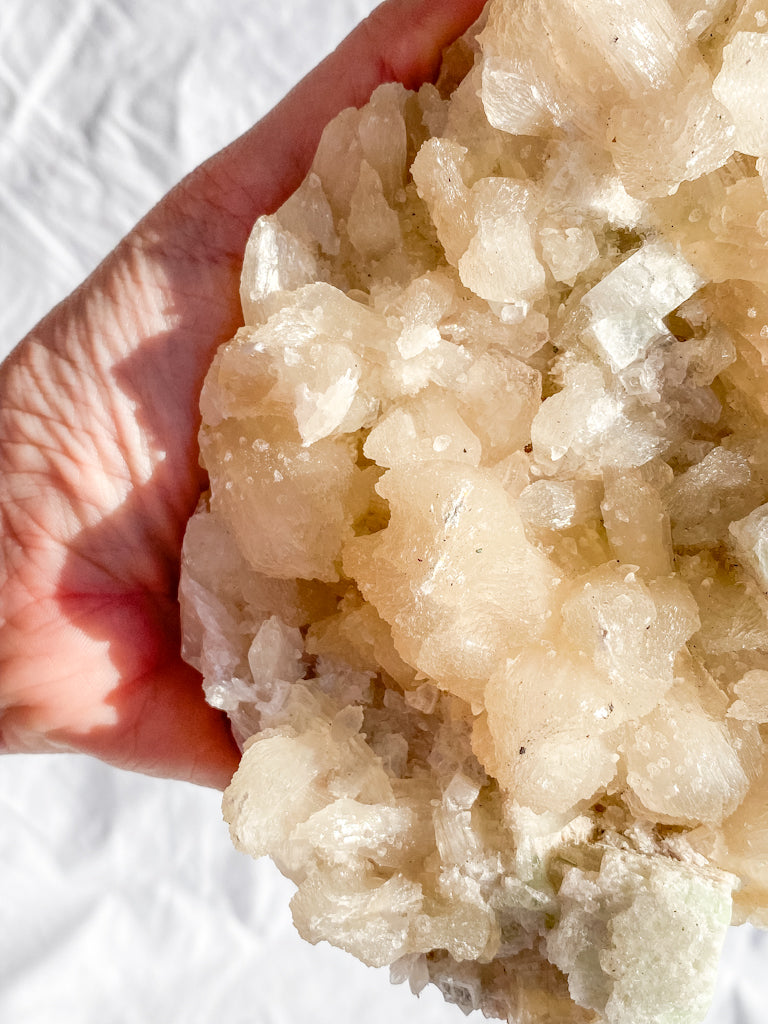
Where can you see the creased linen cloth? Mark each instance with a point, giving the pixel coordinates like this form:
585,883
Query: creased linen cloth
121,898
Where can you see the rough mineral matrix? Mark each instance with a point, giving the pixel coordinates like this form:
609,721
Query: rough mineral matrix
481,578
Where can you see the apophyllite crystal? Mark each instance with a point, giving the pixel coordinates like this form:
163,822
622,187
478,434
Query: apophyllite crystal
481,578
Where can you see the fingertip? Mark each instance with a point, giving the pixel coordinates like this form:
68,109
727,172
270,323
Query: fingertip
414,56
401,40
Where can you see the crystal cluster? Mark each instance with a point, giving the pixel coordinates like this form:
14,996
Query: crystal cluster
481,577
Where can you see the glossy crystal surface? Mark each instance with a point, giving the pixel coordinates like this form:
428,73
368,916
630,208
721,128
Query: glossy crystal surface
481,578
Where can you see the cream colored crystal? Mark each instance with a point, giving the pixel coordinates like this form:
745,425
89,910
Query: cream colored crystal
482,576
740,88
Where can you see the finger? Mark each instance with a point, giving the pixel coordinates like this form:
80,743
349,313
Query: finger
402,40
410,38
190,247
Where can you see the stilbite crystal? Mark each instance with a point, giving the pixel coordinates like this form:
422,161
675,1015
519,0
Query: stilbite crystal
482,576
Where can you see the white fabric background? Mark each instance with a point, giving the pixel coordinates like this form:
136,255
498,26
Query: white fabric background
121,899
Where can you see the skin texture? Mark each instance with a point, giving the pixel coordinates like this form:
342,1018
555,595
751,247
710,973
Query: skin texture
98,425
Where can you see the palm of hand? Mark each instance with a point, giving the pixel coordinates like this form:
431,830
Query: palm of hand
99,474
98,424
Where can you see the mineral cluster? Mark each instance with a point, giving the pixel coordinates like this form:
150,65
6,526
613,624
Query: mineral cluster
481,577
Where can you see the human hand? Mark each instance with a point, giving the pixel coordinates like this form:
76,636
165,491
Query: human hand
98,423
